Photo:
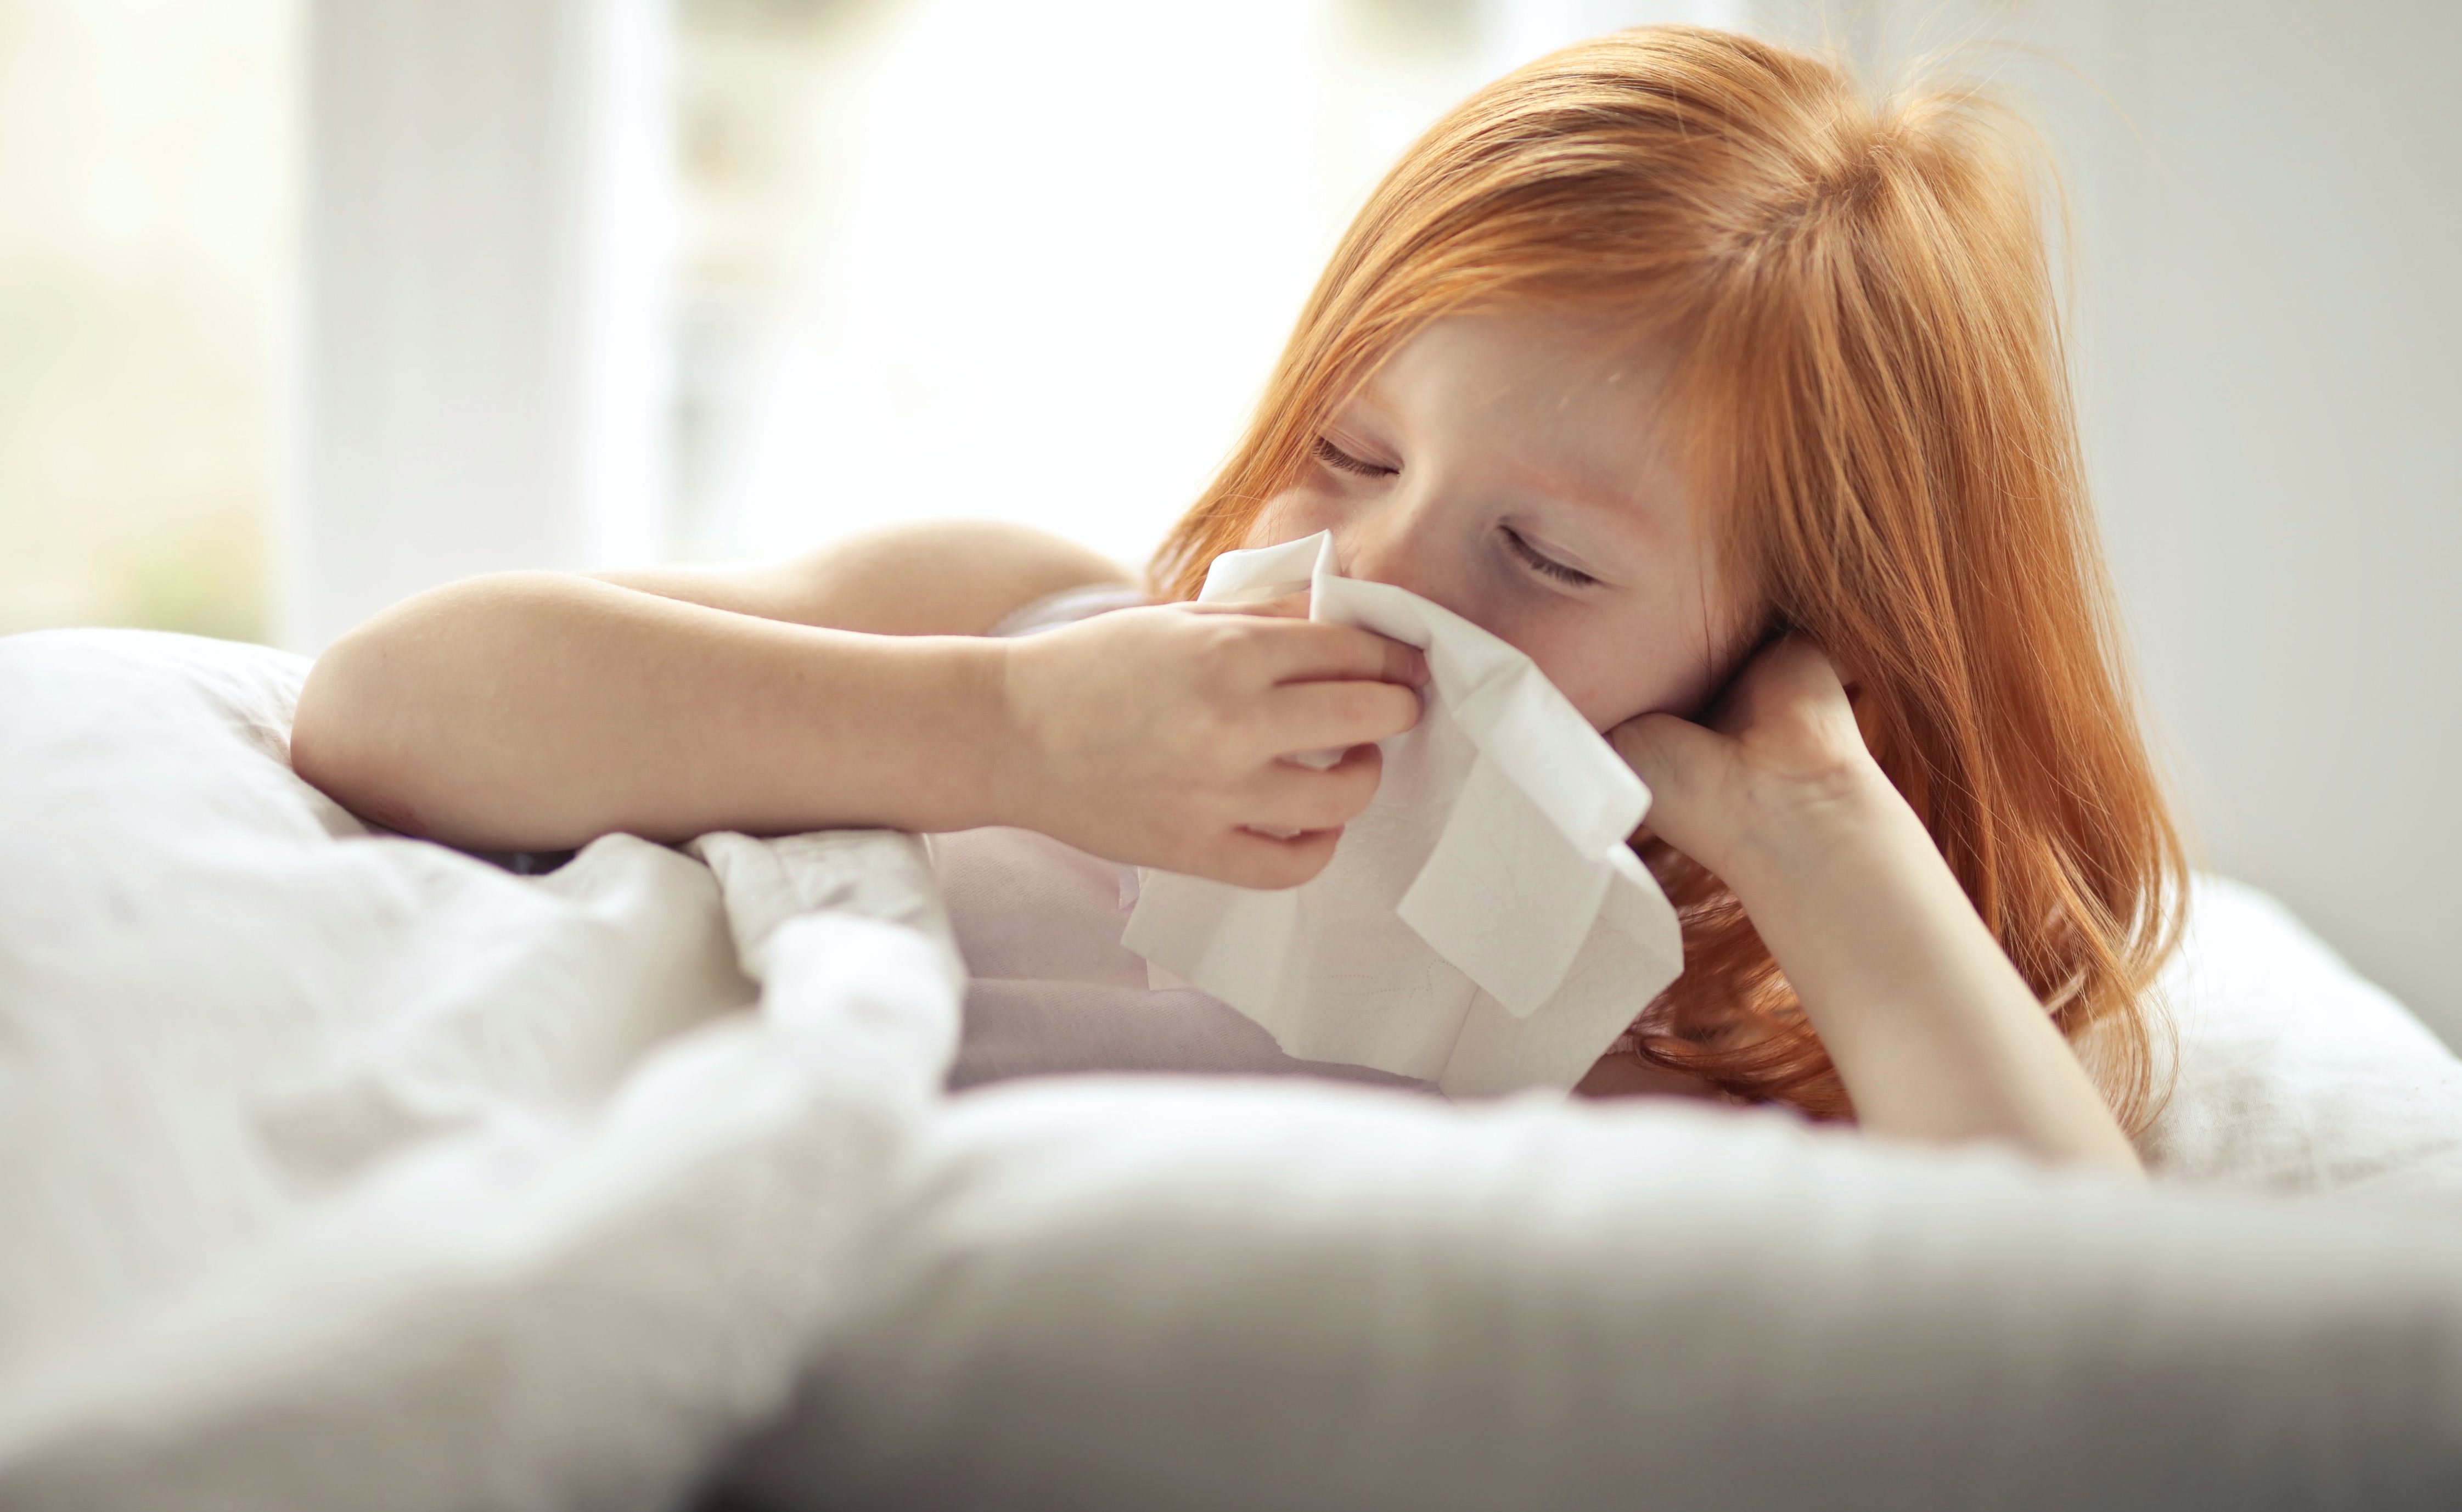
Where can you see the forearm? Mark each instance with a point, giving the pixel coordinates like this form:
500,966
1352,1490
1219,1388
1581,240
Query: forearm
1933,1030
540,710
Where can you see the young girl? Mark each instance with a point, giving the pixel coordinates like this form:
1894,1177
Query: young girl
1733,401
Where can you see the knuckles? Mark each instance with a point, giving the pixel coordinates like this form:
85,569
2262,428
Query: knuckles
1239,637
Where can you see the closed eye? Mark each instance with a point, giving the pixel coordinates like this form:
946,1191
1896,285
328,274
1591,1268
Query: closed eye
1340,461
1542,563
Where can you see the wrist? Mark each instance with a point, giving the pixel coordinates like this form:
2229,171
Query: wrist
956,778
1001,741
1830,828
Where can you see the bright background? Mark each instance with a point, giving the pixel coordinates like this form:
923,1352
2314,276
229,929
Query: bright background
306,305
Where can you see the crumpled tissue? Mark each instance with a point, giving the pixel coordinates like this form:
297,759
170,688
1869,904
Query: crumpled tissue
1483,923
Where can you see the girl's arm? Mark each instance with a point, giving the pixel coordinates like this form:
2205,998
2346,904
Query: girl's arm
538,710
943,577
1933,1030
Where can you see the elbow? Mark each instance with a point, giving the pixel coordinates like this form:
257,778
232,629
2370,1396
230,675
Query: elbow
339,741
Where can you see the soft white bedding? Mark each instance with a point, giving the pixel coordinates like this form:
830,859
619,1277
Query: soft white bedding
1129,1294
338,1170
2295,1073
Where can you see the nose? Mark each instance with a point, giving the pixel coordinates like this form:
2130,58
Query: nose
1396,543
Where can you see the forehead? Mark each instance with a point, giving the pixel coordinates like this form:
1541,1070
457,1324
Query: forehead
1572,405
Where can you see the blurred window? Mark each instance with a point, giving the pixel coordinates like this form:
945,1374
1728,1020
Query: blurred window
147,154
977,257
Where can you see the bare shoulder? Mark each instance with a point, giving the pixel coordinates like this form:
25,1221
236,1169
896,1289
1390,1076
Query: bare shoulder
945,577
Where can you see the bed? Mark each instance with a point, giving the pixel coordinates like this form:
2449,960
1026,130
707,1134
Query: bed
343,1170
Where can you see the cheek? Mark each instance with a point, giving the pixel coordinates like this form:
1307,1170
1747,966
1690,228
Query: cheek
1615,671
1670,650
1289,516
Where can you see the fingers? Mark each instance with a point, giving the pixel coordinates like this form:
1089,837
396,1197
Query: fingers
1682,764
1201,706
1259,860
1798,666
1325,716
1296,649
1292,797
1670,754
1288,606
1295,821
1791,672
1310,652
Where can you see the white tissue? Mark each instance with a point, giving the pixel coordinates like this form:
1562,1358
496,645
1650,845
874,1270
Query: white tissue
1484,924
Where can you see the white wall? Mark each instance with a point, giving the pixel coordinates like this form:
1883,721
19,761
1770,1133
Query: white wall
2286,434
2271,197
480,380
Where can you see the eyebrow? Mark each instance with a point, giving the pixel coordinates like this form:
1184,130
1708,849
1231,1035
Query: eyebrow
1366,398
1581,488
1624,502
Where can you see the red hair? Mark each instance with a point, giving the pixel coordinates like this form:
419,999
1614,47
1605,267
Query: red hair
1873,387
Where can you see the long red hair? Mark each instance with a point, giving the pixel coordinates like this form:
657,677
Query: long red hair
1873,385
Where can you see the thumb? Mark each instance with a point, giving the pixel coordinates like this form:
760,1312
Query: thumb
1672,756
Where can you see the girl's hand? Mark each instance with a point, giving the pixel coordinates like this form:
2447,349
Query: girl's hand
1779,763
1158,735
1934,1031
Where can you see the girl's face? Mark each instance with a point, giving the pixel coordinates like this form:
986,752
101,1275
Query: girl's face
1515,468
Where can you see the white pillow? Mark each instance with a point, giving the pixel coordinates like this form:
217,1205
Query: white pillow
2295,1072
1110,1293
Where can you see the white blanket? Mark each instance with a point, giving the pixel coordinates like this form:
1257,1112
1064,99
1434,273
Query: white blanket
365,1175
342,1171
